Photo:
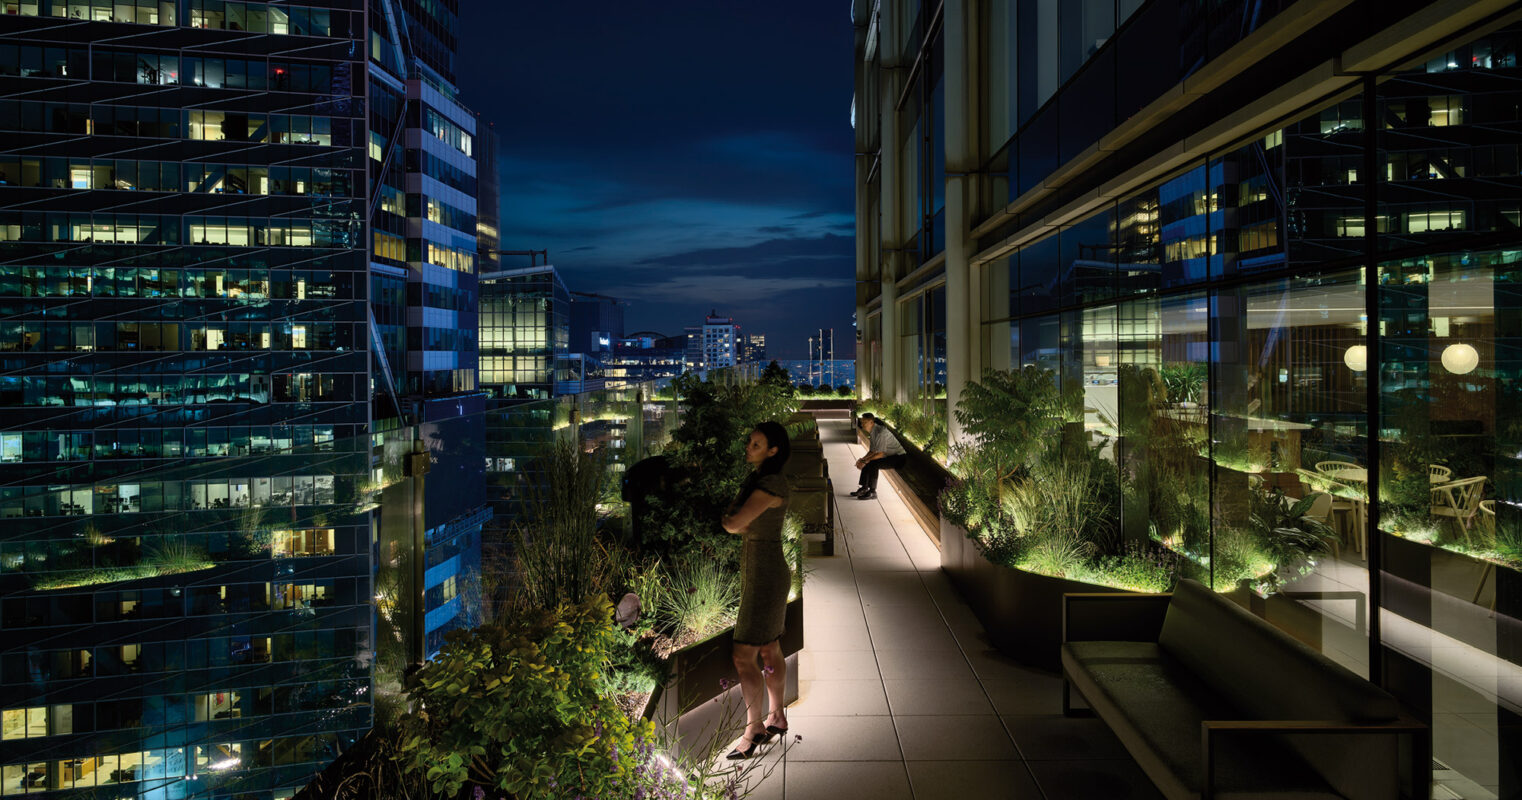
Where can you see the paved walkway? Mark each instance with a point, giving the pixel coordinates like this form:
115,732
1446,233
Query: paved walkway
901,696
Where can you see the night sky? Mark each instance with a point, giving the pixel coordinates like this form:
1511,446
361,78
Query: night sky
680,155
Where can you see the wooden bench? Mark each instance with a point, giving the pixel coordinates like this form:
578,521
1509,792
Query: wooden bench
1213,702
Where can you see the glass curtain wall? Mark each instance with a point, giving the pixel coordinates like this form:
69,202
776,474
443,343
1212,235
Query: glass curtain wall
1219,327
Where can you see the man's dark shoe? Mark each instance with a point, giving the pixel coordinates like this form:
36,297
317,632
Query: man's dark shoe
868,495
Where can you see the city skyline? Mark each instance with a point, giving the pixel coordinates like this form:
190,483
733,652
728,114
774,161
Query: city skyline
671,186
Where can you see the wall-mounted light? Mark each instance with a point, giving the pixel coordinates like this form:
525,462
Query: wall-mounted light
1357,358
1460,359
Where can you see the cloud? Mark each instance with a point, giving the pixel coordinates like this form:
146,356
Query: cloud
724,290
826,246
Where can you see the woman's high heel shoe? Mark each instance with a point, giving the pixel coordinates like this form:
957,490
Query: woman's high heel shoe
776,731
755,739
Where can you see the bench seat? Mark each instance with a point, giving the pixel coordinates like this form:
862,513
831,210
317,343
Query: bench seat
1155,707
1214,702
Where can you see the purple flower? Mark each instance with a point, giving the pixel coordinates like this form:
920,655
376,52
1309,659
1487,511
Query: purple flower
478,793
767,669
724,684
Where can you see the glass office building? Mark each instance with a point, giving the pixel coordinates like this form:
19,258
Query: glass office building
184,559
423,277
525,325
1305,219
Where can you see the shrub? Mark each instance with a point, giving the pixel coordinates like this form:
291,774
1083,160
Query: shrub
707,459
845,390
518,707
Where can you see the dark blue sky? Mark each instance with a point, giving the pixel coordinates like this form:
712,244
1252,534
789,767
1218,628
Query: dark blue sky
680,154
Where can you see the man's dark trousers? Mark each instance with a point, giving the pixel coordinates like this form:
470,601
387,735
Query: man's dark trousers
869,472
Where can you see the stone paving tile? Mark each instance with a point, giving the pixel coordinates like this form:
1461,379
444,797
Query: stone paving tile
1093,780
837,665
843,739
937,697
1034,694
835,636
1053,737
972,780
972,738
922,664
879,780
841,698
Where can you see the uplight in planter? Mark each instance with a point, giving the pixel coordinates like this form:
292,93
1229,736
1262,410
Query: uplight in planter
1460,359
1357,358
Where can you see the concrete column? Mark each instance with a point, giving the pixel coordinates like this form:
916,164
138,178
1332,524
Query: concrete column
960,142
892,219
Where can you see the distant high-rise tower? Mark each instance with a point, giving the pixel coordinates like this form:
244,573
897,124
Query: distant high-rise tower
715,344
755,348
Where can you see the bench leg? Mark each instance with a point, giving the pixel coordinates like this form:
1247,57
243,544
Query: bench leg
1068,710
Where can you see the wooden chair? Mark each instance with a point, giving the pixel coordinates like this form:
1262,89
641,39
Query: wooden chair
1331,468
1345,509
1321,508
1459,500
1488,519
1437,473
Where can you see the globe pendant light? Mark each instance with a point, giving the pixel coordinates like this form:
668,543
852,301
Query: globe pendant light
1460,359
1357,358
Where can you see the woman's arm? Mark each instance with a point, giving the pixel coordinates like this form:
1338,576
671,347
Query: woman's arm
758,502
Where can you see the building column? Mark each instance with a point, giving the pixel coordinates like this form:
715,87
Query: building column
892,78
963,310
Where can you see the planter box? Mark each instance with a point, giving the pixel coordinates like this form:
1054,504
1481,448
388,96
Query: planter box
698,670
1021,611
1480,601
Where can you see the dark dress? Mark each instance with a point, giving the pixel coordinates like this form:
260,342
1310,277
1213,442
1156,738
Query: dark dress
764,575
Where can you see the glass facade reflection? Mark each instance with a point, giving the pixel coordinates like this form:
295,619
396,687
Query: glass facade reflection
1317,305
184,559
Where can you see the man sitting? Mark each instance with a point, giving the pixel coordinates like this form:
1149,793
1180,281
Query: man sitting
883,452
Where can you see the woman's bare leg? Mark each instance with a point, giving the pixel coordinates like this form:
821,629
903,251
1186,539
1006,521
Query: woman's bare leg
753,689
776,683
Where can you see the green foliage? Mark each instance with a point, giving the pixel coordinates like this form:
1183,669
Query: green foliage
560,559
167,555
707,452
844,390
805,390
1184,381
700,598
793,548
518,708
1010,416
776,376
1035,494
1165,480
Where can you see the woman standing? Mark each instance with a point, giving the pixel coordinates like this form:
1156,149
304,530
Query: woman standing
756,514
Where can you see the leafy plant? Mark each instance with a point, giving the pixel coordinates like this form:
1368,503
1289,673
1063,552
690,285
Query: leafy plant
707,462
518,707
844,390
1184,381
1009,417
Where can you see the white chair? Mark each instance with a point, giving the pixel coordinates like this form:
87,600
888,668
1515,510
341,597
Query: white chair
1437,473
1331,468
1459,500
